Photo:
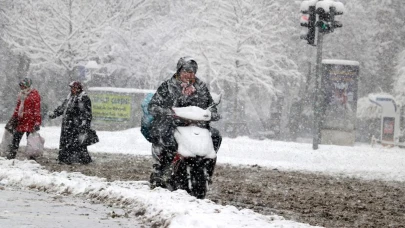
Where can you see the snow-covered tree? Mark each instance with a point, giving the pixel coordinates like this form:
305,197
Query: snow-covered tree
13,66
371,34
399,84
61,34
241,48
390,17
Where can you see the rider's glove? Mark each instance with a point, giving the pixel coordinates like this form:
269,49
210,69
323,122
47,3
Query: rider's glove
214,115
173,113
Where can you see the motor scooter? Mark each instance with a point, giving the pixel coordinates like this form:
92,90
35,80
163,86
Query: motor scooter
195,158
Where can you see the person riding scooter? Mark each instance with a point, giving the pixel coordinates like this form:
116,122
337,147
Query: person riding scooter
181,90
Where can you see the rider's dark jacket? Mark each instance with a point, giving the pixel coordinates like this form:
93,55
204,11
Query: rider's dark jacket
169,95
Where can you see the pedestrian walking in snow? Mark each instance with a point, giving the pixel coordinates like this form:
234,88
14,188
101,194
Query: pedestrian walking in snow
26,117
76,122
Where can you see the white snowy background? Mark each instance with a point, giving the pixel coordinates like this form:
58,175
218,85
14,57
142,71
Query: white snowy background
250,51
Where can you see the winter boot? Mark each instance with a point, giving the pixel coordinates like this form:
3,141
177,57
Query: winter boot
11,154
156,177
84,157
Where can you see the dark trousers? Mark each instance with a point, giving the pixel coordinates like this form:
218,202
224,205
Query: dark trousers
13,148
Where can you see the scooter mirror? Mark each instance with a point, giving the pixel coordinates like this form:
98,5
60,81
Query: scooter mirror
217,98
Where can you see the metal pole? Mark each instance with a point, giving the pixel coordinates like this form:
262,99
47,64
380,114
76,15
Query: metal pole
316,130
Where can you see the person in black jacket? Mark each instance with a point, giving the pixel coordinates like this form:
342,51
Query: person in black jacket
76,111
181,90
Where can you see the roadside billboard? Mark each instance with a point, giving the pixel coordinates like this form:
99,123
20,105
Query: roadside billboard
111,107
339,89
116,108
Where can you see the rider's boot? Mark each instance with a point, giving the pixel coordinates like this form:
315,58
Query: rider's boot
156,178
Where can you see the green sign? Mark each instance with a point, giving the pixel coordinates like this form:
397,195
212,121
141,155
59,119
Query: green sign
111,107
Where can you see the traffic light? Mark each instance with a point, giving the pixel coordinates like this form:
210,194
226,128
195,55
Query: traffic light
326,18
337,9
308,19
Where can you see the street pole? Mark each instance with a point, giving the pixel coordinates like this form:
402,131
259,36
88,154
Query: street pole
316,131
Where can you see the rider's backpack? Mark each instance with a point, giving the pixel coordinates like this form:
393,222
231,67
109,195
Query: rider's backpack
147,117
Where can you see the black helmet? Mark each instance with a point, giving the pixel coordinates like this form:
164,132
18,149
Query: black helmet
187,63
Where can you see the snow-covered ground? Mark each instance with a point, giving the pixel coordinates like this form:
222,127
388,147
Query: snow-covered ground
34,209
178,209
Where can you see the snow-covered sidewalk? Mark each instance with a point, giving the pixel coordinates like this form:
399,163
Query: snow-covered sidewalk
23,208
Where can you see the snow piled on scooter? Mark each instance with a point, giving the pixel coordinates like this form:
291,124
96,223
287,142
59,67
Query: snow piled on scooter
158,207
194,141
193,113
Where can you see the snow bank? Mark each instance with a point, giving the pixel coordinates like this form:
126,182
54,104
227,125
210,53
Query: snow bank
158,207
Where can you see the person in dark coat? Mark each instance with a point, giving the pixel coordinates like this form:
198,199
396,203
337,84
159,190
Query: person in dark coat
181,90
26,117
76,111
